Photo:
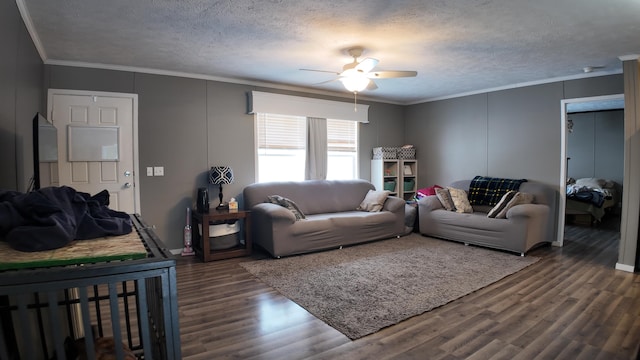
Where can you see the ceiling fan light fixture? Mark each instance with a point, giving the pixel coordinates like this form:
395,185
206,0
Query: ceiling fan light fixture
354,81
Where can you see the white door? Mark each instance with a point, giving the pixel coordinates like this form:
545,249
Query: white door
97,144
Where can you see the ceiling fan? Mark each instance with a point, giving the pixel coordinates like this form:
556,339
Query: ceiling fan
358,75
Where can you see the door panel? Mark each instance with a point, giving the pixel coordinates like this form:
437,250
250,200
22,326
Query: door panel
95,175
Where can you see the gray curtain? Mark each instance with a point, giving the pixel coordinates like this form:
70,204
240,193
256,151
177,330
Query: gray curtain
316,164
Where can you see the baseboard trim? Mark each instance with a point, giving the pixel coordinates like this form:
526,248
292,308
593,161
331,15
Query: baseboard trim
627,268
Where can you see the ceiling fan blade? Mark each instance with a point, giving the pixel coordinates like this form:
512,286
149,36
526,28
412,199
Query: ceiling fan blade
372,85
324,71
391,74
326,82
367,65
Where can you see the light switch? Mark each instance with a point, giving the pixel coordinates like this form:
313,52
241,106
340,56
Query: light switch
149,171
158,171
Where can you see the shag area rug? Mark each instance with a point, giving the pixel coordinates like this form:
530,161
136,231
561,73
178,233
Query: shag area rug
361,289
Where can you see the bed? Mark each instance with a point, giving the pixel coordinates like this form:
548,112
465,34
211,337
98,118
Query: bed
589,199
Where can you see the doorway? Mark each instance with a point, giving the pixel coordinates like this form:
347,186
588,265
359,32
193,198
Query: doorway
98,144
592,104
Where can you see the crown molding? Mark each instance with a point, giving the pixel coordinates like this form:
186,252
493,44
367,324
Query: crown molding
254,83
629,57
26,18
523,84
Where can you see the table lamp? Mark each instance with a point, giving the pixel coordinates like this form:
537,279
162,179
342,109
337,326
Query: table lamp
221,175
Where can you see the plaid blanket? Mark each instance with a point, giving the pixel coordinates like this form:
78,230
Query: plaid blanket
489,191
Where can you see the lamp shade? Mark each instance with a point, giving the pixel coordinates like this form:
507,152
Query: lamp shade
221,175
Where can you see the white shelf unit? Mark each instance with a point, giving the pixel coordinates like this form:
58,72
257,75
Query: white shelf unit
386,171
398,171
408,184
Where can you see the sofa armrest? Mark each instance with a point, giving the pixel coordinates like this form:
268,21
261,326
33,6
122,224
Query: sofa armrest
393,204
275,213
528,210
429,203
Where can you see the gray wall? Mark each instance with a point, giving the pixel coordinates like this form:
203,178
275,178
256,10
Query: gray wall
21,81
511,133
596,145
189,125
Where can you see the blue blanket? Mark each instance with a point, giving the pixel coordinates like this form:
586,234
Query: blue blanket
52,217
488,191
592,197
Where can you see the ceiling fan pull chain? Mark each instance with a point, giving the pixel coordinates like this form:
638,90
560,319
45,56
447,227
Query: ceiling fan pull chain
355,101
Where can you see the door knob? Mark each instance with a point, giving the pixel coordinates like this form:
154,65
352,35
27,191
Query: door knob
127,185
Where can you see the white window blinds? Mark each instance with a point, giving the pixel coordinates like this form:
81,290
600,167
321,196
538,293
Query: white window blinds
341,135
281,132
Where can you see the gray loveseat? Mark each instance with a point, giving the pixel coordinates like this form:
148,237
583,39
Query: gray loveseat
525,226
331,220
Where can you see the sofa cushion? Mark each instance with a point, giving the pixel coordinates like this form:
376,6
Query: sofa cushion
287,203
445,199
460,201
374,201
488,191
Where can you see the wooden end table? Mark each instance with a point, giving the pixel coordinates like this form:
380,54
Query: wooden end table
201,242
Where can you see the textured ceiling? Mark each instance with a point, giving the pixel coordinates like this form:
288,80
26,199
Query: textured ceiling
456,46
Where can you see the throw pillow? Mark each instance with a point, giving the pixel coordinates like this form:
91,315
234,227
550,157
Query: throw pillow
288,204
519,198
460,200
373,201
502,203
445,199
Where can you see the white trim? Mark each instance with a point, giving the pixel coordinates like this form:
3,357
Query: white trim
629,57
137,175
562,205
317,91
255,83
269,103
519,85
26,18
627,268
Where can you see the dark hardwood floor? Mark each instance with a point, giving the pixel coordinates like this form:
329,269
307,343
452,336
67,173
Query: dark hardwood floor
570,305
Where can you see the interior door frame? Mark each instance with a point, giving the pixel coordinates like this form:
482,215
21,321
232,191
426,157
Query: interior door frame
134,99
563,156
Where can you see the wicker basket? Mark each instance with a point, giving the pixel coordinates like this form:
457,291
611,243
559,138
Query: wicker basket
385,153
409,184
389,185
406,153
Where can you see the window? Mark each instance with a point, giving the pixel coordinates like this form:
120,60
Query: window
281,148
342,146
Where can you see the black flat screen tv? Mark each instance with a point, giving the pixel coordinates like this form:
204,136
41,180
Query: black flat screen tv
45,150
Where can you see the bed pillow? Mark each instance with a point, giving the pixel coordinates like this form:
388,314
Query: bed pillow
288,204
373,201
502,203
460,200
593,183
445,199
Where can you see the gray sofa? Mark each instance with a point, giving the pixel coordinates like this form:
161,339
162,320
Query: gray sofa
525,226
331,220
